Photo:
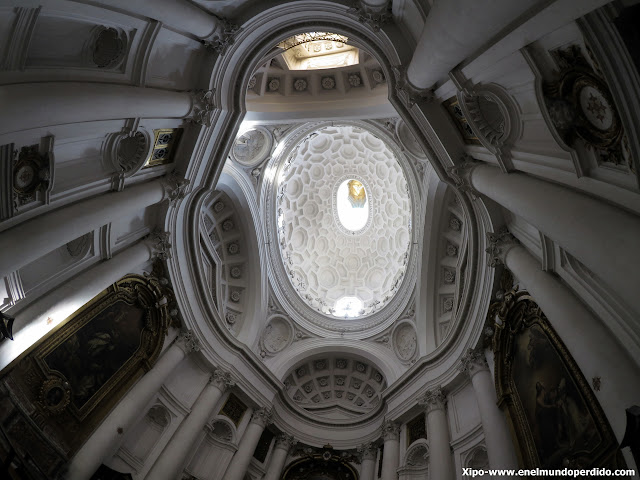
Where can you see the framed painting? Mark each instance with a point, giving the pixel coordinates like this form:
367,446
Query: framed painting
73,378
555,417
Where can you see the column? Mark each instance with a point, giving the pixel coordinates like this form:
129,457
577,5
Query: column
284,443
107,437
179,14
589,341
240,461
497,438
391,452
601,236
45,233
171,461
32,322
440,464
368,452
30,105
454,30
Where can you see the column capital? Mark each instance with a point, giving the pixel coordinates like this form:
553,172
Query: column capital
285,441
221,379
434,399
187,342
262,417
409,93
202,107
473,362
390,430
175,187
499,244
461,175
223,38
368,451
159,244
370,14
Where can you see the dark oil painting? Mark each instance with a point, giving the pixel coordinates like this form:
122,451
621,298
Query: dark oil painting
559,418
91,356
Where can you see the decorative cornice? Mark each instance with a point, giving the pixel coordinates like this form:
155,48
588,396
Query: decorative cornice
499,244
285,441
473,362
175,187
202,107
187,342
367,451
262,417
221,379
461,175
434,399
407,92
390,430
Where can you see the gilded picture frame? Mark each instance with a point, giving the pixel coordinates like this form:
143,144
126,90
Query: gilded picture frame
555,418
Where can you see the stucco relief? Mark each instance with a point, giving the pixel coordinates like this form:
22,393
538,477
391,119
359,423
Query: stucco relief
277,335
405,341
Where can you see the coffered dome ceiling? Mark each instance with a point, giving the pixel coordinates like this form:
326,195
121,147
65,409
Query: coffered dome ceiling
335,387
344,221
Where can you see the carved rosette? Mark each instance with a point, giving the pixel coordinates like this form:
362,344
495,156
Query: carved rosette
367,451
473,362
175,187
390,430
285,441
187,342
499,244
221,379
434,399
262,417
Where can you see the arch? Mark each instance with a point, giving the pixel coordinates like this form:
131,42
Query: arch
333,468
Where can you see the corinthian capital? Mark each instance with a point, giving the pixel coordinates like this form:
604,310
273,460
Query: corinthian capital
202,107
499,244
160,245
367,451
262,417
409,93
187,342
473,361
390,430
221,379
175,187
461,175
434,399
285,441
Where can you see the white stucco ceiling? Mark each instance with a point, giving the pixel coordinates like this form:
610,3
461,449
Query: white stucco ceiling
324,260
